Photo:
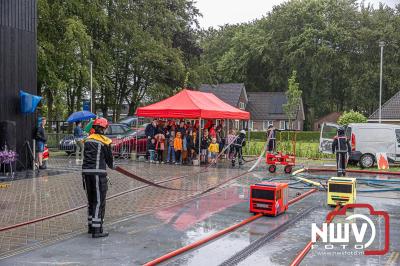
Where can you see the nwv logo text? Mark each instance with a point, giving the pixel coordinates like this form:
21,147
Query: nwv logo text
340,233
333,233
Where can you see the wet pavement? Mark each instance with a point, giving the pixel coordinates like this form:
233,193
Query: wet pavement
151,222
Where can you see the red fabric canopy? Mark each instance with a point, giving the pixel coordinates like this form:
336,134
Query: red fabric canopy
193,104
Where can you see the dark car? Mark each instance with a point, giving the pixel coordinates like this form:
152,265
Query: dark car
118,131
135,142
67,144
130,121
114,132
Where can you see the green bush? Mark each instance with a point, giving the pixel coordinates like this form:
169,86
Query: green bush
301,136
351,117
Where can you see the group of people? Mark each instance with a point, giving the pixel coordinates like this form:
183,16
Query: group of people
182,143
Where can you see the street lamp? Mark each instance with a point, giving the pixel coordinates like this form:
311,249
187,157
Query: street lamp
91,86
381,45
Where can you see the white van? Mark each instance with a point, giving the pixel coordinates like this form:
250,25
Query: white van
366,140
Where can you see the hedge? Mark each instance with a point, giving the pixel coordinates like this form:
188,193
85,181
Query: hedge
304,136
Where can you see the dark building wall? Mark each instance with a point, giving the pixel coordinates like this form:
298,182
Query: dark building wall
18,64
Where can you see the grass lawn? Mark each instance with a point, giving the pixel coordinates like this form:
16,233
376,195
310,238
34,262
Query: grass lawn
303,149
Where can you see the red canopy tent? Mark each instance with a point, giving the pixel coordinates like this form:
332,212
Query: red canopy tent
193,104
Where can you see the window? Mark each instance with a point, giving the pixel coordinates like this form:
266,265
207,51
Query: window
251,125
278,195
398,135
242,105
267,123
282,125
236,124
117,130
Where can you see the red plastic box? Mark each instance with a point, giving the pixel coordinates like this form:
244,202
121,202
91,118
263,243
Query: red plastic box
269,198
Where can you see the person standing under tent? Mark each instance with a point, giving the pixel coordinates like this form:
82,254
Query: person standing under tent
160,146
170,148
181,128
238,145
204,144
150,132
342,148
221,135
213,151
97,156
41,139
178,147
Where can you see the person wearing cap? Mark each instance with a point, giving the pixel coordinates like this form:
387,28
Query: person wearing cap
341,146
96,157
238,145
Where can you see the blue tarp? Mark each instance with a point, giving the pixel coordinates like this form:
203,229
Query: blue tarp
28,102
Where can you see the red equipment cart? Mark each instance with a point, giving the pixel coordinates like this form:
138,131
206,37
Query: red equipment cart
288,160
280,158
269,198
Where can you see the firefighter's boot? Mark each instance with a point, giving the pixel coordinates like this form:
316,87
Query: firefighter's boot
98,232
90,229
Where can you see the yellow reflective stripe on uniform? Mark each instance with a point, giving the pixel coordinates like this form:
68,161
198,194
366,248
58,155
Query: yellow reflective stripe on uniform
103,139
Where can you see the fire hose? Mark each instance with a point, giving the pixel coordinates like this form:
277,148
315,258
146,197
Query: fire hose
149,183
218,234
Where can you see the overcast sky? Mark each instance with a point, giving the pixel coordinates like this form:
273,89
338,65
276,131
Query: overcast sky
220,12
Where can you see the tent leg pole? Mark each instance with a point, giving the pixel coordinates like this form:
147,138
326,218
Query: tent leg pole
136,142
199,141
248,137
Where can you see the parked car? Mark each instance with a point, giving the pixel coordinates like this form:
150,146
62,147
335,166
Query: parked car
366,140
133,143
133,122
130,121
67,144
118,131
114,131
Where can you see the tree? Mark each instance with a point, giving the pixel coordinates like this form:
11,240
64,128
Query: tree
351,117
293,95
333,45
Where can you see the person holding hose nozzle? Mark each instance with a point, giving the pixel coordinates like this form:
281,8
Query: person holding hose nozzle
238,144
342,148
97,156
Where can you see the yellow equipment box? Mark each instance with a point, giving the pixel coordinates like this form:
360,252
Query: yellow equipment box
341,190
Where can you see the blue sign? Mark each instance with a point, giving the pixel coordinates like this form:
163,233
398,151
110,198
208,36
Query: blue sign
28,102
86,105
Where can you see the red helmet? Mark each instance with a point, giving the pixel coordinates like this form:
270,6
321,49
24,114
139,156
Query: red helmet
102,122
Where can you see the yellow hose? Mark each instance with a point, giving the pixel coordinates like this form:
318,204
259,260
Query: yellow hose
305,180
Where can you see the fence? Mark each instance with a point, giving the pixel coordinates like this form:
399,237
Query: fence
125,147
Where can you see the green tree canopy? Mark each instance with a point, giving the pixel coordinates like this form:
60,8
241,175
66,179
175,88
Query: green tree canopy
351,117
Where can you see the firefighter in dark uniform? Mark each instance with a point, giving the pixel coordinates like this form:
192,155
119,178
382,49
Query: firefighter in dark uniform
271,138
238,145
97,156
342,148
